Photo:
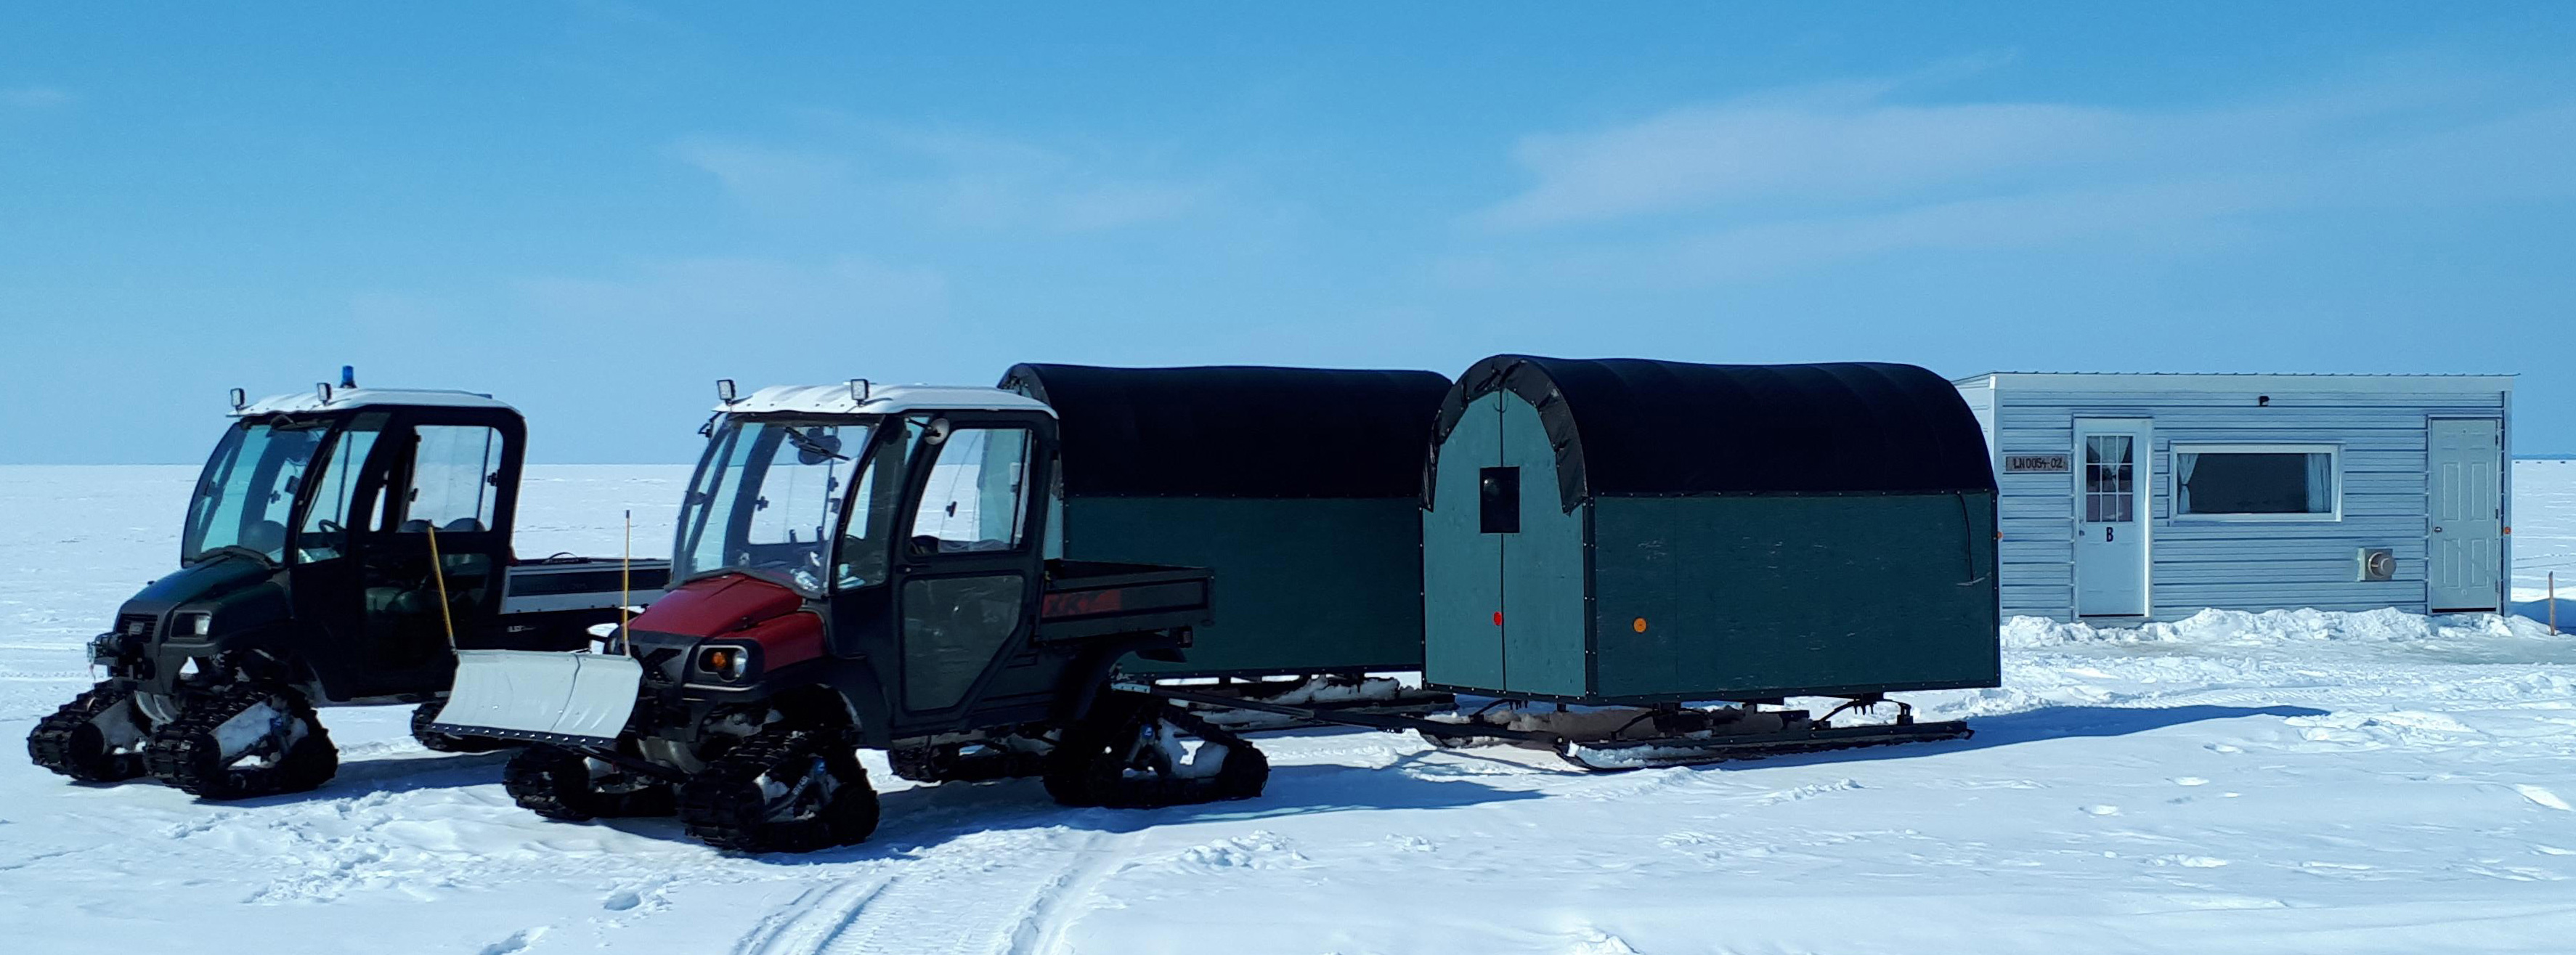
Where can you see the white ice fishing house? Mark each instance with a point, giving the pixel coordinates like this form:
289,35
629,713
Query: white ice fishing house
2154,496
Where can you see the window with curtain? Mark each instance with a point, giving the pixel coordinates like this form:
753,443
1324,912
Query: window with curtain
2258,481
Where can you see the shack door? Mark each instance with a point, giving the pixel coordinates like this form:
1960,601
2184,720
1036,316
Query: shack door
2465,539
2112,477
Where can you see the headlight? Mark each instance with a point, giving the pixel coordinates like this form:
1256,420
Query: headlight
196,624
728,663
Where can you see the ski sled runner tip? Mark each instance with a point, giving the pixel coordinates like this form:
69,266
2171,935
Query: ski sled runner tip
581,699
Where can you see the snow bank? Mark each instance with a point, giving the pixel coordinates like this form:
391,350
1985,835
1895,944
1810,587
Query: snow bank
2219,628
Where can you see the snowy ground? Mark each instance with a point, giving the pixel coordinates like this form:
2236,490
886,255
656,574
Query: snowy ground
2293,782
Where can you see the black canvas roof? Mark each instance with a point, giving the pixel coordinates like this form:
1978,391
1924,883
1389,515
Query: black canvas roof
1237,431
1629,426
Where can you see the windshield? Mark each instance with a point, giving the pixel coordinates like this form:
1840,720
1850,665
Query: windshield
769,500
247,492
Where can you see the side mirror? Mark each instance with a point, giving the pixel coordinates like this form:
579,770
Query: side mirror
936,431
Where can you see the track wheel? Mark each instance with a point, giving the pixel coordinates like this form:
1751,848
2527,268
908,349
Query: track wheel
562,784
1136,752
781,791
251,739
427,713
96,738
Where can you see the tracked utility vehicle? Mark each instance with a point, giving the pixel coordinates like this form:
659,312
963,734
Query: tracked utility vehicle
339,547
861,567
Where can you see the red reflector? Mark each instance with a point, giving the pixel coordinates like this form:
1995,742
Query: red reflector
1498,618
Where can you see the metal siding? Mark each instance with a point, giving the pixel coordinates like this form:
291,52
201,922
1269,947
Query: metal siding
1303,585
1744,596
2248,565
1543,578
1462,568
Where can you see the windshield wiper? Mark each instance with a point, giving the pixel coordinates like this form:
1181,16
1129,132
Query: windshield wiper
811,446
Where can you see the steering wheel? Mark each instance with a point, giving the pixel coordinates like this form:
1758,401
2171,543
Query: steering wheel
329,526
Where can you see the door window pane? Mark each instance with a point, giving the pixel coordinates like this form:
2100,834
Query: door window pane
2264,480
325,533
452,479
976,496
863,552
2110,479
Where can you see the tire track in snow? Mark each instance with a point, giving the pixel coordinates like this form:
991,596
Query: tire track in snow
1042,925
814,921
957,900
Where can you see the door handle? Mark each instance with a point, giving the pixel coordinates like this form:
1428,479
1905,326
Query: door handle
2437,528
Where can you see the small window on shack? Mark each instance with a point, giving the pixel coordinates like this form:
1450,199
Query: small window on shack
1498,500
2255,482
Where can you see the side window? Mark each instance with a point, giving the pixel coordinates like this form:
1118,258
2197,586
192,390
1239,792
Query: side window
976,496
452,479
325,532
863,553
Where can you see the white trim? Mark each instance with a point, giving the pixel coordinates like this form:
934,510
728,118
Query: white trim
2173,467
344,399
2144,483
2286,384
889,399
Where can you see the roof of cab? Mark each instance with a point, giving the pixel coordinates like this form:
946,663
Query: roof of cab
844,399
346,399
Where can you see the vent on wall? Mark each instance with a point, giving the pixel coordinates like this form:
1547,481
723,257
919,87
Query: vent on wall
2378,563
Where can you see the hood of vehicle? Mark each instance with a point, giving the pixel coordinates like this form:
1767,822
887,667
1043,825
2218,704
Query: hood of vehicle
198,582
715,606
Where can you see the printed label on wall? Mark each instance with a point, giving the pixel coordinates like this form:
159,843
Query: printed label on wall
2035,464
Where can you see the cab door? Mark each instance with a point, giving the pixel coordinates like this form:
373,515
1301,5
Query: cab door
435,558
970,569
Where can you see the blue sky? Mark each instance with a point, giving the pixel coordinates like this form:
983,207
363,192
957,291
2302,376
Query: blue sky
594,209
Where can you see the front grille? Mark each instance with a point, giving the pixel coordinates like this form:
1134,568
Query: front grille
136,626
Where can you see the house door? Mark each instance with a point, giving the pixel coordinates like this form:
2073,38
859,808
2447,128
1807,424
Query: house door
2465,539
2112,478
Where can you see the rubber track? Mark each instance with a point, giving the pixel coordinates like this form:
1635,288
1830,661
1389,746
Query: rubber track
1084,774
50,744
185,755
542,779
721,805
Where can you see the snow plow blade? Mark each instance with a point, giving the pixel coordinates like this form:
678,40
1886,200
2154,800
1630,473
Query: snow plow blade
576,698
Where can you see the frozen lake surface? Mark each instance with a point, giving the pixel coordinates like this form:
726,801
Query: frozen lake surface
2286,782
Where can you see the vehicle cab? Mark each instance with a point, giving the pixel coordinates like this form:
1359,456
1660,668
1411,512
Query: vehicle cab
893,532
321,540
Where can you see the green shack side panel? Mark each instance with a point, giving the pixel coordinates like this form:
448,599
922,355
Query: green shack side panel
1462,579
1764,596
1544,617
1302,585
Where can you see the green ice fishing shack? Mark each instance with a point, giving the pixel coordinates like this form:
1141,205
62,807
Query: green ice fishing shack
1633,531
1299,487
